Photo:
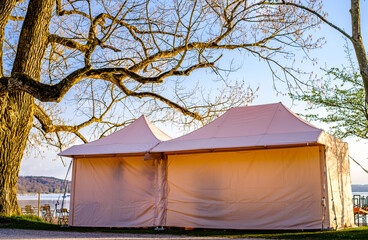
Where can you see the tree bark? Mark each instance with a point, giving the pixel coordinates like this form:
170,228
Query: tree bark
358,44
17,116
6,7
15,124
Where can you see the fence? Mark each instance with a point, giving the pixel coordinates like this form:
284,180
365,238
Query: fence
53,208
360,205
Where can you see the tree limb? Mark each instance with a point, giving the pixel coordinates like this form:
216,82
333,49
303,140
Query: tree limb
41,91
67,42
16,18
54,93
323,19
358,44
156,96
60,12
48,126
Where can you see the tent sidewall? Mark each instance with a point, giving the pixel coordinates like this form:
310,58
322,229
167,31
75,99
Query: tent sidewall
206,190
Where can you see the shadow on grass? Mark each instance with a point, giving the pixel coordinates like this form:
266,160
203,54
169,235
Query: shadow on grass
35,223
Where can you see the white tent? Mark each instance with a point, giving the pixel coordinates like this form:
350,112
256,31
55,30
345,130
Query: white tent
111,185
258,167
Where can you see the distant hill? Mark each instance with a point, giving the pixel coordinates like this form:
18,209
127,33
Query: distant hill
359,187
32,184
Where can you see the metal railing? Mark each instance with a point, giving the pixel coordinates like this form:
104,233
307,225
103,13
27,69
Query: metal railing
360,207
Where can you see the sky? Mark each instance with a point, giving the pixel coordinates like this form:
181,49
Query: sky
257,75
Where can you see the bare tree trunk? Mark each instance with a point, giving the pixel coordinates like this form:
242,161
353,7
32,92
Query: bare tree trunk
6,7
358,44
16,117
15,124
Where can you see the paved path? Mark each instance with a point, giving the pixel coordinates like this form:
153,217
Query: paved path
55,235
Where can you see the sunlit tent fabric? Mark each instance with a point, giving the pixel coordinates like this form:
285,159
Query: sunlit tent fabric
111,184
254,167
138,137
261,125
257,167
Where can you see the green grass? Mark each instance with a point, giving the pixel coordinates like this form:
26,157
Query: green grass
32,222
26,222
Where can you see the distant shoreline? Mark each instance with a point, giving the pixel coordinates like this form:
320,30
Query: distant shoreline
36,184
359,187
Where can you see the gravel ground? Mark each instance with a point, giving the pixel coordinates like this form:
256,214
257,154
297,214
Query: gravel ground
36,234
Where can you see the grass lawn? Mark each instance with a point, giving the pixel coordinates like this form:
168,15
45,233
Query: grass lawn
31,222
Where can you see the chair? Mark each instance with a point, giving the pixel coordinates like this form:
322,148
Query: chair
63,216
46,213
28,210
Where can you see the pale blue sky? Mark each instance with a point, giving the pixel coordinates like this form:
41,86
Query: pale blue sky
257,74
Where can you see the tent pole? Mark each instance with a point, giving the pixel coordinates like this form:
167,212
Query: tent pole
72,199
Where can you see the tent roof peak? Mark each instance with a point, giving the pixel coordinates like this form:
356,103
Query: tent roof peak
138,137
249,126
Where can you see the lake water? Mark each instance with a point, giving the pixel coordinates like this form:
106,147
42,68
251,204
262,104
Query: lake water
361,193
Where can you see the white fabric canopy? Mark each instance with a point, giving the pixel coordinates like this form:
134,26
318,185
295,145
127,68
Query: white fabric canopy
138,137
215,177
261,125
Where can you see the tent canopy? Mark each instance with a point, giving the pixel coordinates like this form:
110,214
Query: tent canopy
211,179
138,137
251,126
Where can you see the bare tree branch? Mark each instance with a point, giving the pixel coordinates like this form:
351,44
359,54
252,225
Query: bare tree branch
67,42
322,18
16,18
